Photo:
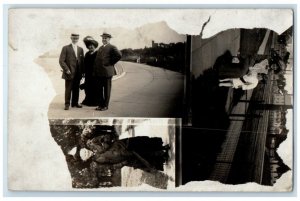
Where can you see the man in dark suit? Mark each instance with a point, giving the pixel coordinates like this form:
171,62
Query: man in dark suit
71,61
108,55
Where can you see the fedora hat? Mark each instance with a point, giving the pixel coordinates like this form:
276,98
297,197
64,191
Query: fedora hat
88,40
106,35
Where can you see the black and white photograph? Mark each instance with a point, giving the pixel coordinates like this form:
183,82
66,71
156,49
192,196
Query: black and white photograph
102,153
115,71
239,107
136,99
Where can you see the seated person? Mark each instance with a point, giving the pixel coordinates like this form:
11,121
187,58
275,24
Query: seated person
248,81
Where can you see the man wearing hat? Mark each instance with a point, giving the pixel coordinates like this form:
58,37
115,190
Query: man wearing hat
71,62
107,56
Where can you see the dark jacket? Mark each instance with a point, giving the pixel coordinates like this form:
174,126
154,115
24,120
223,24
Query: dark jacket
89,60
138,152
105,60
68,61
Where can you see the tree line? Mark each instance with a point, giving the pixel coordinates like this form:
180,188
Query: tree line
168,56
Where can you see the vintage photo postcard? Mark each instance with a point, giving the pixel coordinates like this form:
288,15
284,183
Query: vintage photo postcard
240,107
150,99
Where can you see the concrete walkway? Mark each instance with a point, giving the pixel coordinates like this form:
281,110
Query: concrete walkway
143,91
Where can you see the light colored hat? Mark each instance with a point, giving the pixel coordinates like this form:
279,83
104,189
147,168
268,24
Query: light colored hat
75,34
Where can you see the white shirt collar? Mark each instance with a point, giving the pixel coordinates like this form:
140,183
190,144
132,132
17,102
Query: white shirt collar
105,44
74,46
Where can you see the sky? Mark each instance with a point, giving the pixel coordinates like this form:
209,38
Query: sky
34,30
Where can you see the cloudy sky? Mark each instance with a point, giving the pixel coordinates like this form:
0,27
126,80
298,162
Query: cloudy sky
36,29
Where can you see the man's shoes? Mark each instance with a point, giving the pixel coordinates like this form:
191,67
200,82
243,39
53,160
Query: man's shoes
67,107
104,108
101,108
77,105
98,108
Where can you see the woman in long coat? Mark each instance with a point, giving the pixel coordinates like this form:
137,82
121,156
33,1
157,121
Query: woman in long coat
90,86
139,152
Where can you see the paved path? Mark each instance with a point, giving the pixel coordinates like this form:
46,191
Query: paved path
226,155
144,91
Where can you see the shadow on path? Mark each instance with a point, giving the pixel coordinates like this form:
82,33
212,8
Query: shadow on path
202,141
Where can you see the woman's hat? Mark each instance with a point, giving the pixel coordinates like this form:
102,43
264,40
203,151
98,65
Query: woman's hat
88,40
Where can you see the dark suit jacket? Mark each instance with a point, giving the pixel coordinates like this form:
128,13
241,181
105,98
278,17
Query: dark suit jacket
68,61
105,60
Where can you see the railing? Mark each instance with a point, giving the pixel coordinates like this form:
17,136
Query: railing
119,70
256,144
